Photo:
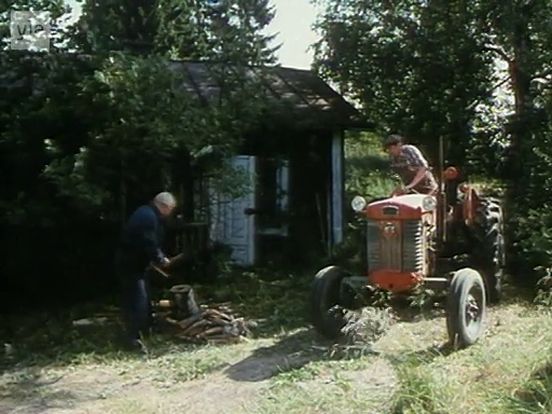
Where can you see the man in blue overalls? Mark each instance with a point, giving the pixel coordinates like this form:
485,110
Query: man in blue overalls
141,246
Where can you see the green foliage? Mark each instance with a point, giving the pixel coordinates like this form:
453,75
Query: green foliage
150,123
86,136
44,118
116,25
223,31
422,298
367,170
544,288
474,73
416,67
532,248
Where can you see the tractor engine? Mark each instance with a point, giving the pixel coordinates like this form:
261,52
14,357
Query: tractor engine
400,238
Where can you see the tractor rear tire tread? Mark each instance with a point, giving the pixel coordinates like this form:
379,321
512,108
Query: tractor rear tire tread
488,249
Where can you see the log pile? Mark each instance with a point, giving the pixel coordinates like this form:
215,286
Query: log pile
195,323
210,325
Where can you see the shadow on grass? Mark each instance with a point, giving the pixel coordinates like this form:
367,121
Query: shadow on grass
290,353
296,350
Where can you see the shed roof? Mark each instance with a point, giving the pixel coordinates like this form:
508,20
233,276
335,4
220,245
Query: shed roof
291,93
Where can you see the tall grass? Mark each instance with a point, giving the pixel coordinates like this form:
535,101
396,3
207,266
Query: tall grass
508,372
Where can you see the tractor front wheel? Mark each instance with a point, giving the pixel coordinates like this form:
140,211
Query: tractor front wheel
327,317
466,307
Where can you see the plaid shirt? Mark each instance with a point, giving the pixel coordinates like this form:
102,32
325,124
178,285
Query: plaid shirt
410,158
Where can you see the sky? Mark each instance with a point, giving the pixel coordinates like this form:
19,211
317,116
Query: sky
293,23
292,26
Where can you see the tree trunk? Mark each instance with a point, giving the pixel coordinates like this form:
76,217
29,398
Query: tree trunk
520,128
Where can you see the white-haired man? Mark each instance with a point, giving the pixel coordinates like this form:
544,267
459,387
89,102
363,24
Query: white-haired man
141,245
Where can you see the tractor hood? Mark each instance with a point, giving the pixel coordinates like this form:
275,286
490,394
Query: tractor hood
410,206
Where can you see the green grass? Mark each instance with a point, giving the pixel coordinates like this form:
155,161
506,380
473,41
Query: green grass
484,378
535,395
285,366
325,387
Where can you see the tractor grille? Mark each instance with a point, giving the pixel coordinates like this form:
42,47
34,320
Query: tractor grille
402,252
413,259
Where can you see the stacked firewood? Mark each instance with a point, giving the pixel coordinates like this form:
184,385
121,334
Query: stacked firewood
195,323
211,325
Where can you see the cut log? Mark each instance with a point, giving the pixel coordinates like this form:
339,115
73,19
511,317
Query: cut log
172,321
217,315
211,325
188,322
196,327
211,331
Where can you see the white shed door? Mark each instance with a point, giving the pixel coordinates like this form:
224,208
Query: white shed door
230,224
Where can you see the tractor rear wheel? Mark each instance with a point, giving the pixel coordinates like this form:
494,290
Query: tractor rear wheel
489,250
466,307
327,316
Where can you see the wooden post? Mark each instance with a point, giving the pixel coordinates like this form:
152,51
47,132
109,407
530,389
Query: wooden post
337,188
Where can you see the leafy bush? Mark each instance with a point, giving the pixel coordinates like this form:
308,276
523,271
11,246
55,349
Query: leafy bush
532,247
367,171
544,288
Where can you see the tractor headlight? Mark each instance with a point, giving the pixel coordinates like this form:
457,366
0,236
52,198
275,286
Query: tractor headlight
429,203
358,203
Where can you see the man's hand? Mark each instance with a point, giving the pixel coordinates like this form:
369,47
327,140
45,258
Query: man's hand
165,262
398,191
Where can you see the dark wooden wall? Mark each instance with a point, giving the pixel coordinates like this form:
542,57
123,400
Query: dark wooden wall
309,155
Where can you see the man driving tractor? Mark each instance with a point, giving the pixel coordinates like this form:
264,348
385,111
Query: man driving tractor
408,162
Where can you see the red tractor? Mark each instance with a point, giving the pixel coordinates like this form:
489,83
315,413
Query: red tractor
452,240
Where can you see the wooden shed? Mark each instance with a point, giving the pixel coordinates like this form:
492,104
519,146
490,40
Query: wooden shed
296,163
